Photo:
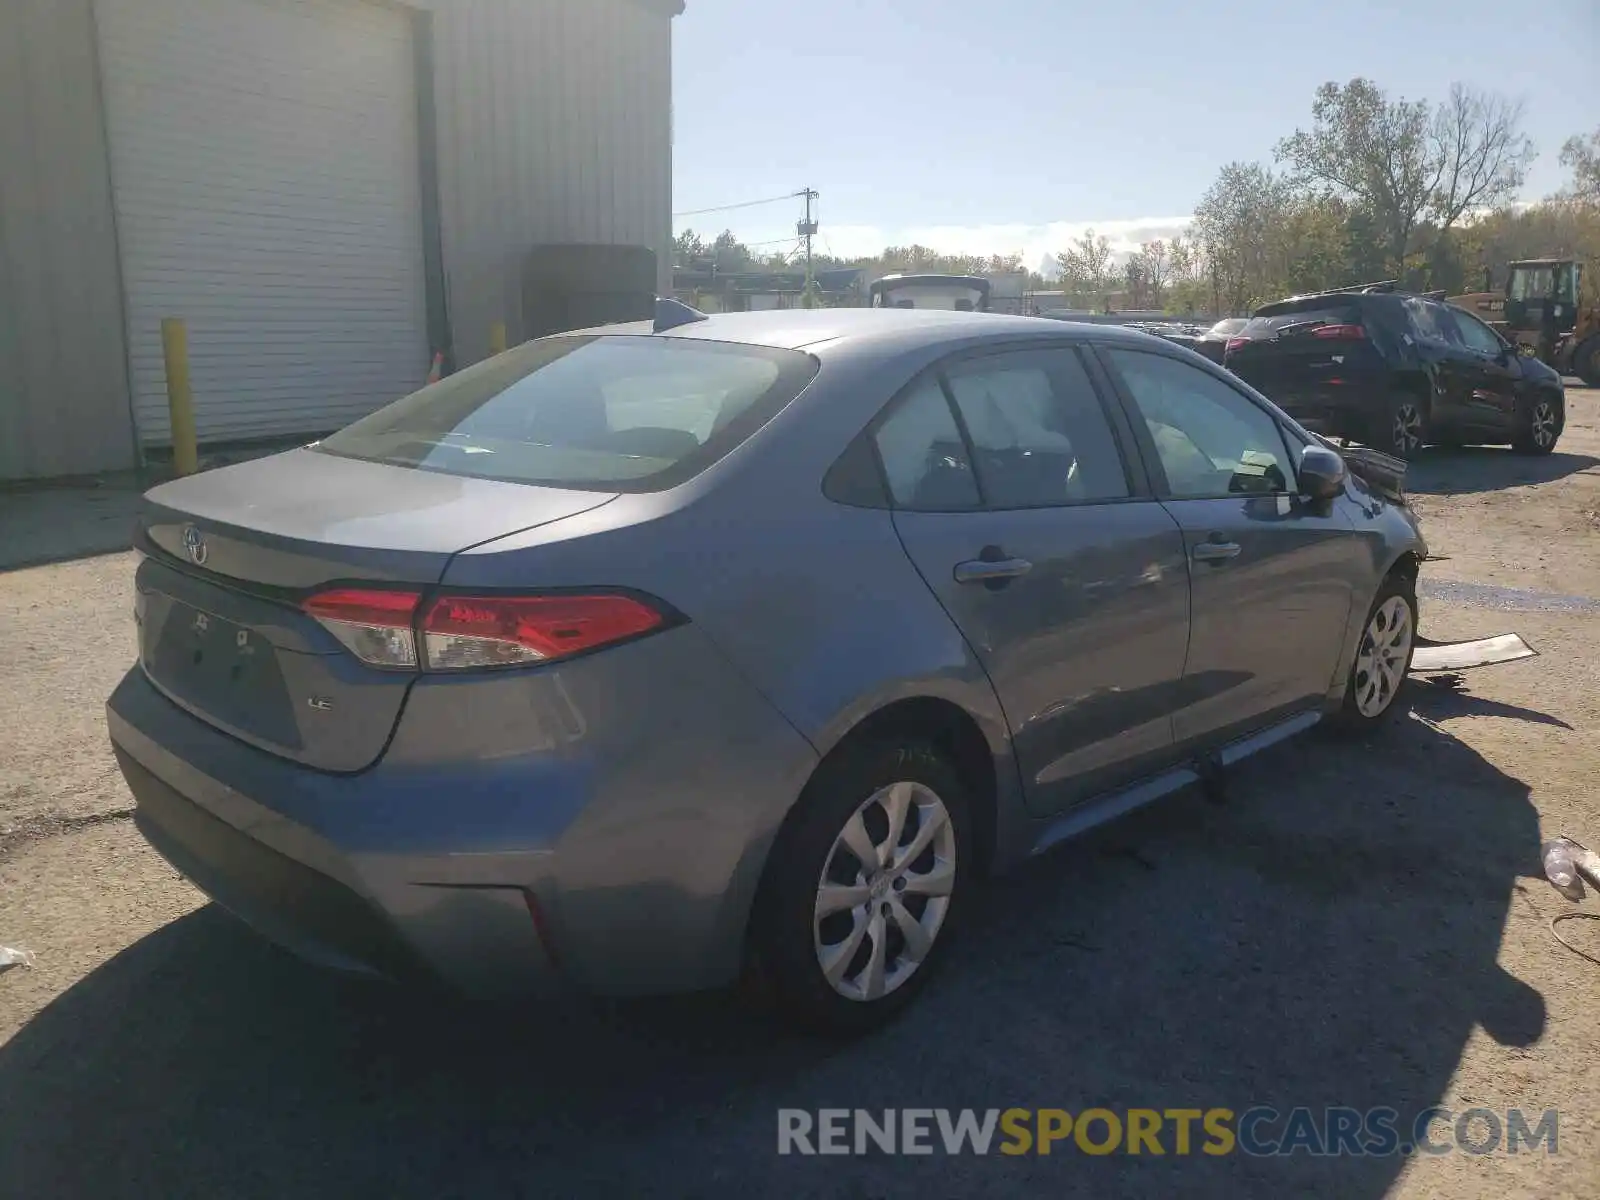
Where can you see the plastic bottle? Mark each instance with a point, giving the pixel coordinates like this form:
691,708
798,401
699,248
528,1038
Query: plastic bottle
1560,868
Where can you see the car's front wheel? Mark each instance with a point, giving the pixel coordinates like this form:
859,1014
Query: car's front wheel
1539,424
1383,656
863,885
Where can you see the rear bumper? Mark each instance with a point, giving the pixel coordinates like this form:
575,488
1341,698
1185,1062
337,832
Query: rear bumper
1346,408
312,913
637,839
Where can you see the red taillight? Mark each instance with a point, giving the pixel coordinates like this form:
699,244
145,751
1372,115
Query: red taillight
1340,333
461,632
374,625
1234,343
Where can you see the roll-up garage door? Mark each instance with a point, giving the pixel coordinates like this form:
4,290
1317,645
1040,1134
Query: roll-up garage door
265,176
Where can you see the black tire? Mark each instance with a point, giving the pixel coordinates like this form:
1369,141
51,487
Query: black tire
1355,715
1401,428
786,932
1540,420
1586,361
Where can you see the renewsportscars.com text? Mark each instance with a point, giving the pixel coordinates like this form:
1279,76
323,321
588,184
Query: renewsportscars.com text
1258,1131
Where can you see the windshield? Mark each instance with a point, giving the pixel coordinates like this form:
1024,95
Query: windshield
1532,283
612,413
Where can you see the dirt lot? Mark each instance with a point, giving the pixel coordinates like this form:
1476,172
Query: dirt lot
1355,927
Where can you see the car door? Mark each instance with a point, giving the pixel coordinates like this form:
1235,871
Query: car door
1014,498
1490,370
1435,340
1269,571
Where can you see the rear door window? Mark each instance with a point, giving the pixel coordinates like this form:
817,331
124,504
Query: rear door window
600,412
924,457
1428,321
1039,433
1476,336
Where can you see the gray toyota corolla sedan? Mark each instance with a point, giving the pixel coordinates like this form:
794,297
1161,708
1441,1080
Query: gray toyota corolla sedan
632,659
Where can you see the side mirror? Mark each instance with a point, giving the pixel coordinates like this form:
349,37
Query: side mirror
1322,473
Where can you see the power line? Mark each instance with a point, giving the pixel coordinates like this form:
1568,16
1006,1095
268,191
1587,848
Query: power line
700,212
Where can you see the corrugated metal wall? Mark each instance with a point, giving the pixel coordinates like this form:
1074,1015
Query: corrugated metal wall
63,369
266,177
554,125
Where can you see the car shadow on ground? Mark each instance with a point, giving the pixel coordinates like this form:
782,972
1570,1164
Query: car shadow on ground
1327,936
1442,471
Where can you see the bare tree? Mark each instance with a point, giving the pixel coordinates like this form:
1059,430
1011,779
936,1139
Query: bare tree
1085,265
1187,265
1154,270
1581,155
1480,152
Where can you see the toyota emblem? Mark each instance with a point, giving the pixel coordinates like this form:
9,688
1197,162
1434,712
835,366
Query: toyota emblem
194,545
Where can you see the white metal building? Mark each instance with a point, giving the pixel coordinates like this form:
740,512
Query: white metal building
326,191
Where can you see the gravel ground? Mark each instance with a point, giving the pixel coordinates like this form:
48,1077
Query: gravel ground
1357,925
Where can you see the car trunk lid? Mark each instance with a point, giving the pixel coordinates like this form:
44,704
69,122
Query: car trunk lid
1300,347
233,554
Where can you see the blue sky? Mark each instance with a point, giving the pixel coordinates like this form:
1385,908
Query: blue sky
1013,124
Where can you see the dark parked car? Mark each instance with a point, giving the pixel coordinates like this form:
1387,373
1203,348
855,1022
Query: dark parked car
1209,342
632,658
1213,343
1397,371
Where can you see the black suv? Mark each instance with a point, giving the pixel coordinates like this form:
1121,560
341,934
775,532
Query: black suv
1396,371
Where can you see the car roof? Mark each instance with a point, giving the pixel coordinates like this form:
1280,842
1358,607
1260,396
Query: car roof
812,329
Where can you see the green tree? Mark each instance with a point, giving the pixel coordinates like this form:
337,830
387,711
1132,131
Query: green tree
687,247
1239,223
1372,150
730,254
1416,169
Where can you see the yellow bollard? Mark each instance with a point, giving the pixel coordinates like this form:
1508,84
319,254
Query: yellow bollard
180,398
497,338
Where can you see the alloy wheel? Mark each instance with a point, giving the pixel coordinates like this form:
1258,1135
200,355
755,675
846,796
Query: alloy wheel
884,891
1384,655
1407,432
1542,425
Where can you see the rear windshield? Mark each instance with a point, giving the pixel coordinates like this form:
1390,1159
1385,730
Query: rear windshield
1293,316
602,412
1228,327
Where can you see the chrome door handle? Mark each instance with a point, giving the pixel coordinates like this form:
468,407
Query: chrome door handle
983,570
1215,551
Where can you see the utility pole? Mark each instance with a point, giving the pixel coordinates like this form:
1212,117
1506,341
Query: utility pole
807,229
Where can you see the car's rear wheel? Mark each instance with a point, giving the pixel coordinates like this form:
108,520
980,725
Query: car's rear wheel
863,886
1383,657
1404,428
1540,420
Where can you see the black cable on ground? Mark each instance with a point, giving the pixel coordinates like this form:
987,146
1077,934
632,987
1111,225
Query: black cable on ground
1574,916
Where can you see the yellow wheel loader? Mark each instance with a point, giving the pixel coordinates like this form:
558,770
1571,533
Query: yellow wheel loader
1542,308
